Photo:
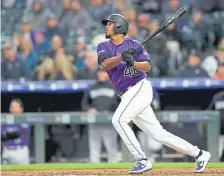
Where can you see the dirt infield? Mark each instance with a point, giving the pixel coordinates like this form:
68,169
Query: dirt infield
113,172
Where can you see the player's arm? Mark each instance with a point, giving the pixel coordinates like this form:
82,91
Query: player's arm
142,62
109,63
105,59
142,66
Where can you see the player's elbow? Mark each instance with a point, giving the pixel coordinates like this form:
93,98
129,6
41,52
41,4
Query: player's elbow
105,65
148,68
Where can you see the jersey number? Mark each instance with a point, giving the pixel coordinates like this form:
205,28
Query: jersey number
130,71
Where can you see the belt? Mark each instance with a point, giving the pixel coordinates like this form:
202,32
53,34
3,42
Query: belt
123,92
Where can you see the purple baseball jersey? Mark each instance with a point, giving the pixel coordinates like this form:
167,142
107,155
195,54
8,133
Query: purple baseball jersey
123,76
24,140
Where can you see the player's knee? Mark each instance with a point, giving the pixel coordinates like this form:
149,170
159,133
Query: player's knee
159,135
117,122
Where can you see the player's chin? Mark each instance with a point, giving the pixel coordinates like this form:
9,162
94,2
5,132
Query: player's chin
107,36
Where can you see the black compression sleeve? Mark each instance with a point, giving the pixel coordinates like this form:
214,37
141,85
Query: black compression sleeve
102,57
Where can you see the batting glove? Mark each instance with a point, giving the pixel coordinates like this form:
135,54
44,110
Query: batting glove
128,59
129,52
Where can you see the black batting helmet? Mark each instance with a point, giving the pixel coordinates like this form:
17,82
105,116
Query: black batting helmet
120,23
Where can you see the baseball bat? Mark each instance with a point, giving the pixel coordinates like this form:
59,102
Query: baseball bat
168,22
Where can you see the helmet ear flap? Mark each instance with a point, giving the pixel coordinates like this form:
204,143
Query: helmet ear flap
117,27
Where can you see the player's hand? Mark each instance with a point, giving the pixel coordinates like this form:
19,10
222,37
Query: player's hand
129,52
127,56
128,59
6,136
92,111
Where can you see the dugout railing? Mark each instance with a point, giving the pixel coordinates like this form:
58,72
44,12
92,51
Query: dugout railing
210,118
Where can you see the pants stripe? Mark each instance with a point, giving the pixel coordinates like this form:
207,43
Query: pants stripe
121,116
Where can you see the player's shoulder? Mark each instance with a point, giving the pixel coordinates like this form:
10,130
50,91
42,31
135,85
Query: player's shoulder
104,43
134,41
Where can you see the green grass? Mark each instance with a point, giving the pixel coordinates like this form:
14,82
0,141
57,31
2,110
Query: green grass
68,166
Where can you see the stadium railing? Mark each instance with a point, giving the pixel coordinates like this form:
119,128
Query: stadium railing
210,118
81,85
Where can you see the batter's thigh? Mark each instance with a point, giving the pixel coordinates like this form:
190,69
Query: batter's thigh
133,102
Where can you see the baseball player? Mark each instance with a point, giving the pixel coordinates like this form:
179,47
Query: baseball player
16,151
126,68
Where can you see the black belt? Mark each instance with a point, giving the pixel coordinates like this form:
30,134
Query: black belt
122,93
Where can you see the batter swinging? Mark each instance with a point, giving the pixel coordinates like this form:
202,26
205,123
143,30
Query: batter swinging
126,69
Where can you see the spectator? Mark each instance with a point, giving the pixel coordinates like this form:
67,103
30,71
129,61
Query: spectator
101,98
77,19
17,151
26,30
220,73
158,51
198,31
131,15
175,45
210,63
124,5
46,71
65,15
13,68
149,6
7,4
143,25
193,68
171,7
64,69
43,45
37,15
79,52
221,42
54,6
110,7
56,43
206,5
5,47
16,40
53,27
28,54
221,5
98,10
173,34
132,31
97,39
90,71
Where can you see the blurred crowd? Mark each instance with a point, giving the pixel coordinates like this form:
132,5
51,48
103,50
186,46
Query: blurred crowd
57,39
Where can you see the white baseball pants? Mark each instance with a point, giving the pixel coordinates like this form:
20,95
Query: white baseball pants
19,155
135,106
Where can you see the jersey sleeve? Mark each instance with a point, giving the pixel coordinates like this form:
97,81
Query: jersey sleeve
102,53
142,54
